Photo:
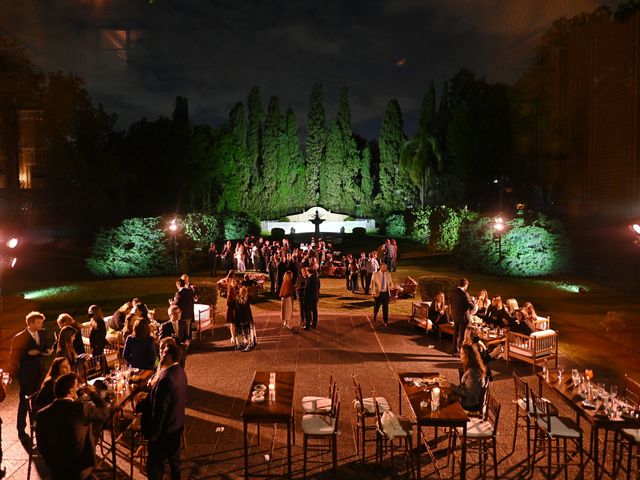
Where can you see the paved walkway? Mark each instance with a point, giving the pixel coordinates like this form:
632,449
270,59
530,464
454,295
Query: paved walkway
219,380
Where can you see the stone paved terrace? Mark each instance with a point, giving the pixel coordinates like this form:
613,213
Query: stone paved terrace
219,380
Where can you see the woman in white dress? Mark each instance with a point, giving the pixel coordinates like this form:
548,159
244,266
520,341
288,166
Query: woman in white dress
240,258
286,299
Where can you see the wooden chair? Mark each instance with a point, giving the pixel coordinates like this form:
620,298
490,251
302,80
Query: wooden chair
524,413
92,367
322,428
420,315
365,413
409,287
542,323
481,436
204,318
534,349
33,448
386,439
627,440
314,404
552,429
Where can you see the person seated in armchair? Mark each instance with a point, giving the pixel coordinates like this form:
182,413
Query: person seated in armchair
438,311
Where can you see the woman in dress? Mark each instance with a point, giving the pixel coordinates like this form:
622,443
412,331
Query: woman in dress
497,315
471,388
438,311
98,333
530,316
59,366
482,304
232,291
240,258
139,347
245,328
65,349
286,299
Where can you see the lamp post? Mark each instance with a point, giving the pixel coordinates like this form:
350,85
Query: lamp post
498,230
173,226
7,258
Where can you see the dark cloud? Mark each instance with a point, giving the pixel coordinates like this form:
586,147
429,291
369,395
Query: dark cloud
214,51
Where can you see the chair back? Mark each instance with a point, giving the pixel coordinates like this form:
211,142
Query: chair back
492,414
332,385
335,412
632,391
376,408
522,390
92,367
541,408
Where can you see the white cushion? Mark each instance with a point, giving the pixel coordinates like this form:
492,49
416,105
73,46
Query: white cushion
318,424
633,432
383,405
522,404
542,333
562,427
316,404
477,428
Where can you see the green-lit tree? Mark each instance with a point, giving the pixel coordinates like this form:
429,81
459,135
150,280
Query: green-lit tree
393,187
254,144
331,178
420,156
271,160
316,144
292,173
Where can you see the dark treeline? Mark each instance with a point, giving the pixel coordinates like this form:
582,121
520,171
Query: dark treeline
94,175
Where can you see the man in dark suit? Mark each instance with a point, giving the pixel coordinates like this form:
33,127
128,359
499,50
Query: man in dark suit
311,297
64,430
28,349
461,306
185,299
173,327
163,413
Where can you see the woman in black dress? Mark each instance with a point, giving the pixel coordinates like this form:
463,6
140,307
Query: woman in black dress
245,328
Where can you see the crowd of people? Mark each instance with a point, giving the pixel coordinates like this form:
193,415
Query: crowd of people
70,412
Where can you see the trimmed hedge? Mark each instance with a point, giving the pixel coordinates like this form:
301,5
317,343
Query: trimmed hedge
428,286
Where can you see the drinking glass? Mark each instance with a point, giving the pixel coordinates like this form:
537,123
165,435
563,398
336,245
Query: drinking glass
614,391
560,372
6,378
575,376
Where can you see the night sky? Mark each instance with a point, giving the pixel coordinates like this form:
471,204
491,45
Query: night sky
214,51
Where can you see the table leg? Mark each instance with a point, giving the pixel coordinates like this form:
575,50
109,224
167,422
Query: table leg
463,460
418,448
289,426
596,458
399,398
246,451
113,446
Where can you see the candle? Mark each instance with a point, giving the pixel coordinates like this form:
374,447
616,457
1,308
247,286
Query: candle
435,398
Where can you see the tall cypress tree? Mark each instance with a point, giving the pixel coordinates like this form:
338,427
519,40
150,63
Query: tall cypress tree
427,120
292,173
366,182
331,179
393,184
351,192
254,137
316,143
271,153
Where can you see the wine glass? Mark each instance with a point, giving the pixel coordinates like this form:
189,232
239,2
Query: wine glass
614,391
575,376
560,372
6,378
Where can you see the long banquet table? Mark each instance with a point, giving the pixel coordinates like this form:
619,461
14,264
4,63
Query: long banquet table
279,411
571,397
450,414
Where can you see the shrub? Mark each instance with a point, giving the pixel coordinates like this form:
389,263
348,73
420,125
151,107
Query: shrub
277,232
202,229
428,286
530,247
137,247
207,293
445,227
421,230
396,226
359,231
238,225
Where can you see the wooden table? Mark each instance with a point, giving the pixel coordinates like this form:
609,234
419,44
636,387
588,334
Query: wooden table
573,399
278,412
117,405
491,338
450,414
